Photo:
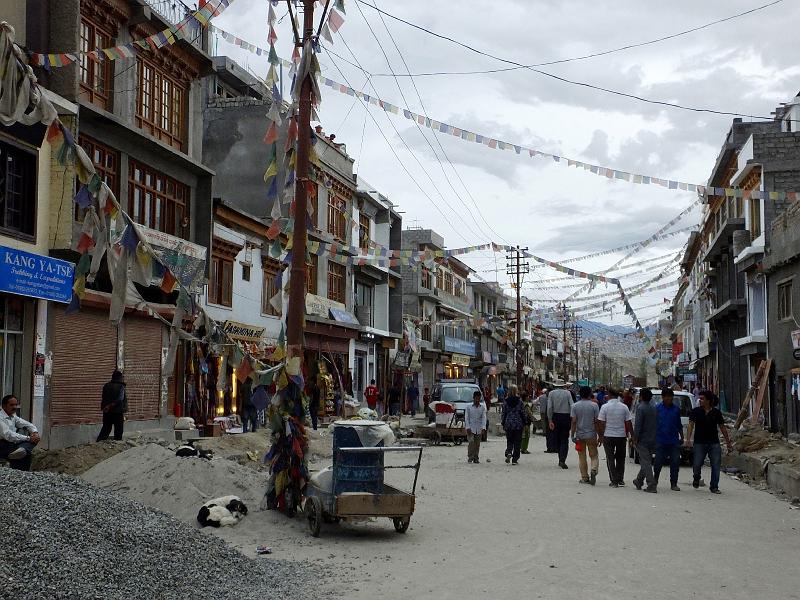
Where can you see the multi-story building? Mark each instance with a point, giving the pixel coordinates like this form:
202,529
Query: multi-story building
377,289
489,333
137,118
436,296
33,285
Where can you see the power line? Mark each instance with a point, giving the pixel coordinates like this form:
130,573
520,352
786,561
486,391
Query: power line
574,82
394,152
425,113
565,60
405,101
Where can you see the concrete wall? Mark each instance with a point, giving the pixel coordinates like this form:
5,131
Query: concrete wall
246,301
233,147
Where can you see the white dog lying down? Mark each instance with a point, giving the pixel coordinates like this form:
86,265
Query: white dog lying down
220,512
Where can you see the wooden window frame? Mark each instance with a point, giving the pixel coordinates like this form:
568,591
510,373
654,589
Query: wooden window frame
269,270
22,185
448,282
94,73
337,282
363,231
426,278
785,292
106,163
440,278
337,217
161,104
147,184
312,269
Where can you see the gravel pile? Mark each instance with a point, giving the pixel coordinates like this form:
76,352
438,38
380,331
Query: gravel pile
63,538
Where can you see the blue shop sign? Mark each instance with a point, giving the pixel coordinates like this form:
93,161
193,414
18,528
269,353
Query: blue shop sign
459,346
27,274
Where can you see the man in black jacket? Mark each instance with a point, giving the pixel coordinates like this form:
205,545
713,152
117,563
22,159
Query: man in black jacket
114,406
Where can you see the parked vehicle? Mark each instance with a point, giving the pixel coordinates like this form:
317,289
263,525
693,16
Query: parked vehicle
684,401
457,393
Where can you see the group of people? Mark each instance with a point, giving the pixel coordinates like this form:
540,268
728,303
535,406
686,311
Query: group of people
655,432
394,404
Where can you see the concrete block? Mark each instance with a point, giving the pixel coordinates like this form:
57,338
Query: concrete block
183,435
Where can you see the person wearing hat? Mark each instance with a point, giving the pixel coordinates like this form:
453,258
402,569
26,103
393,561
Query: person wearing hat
559,409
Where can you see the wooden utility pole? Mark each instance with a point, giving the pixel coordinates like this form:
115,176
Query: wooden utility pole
297,282
516,268
576,332
589,375
564,319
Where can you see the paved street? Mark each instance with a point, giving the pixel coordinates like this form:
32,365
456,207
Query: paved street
532,531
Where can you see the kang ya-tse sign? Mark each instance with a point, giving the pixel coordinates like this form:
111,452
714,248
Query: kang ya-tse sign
36,276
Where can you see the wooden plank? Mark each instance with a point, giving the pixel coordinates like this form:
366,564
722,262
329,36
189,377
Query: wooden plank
742,416
392,504
762,389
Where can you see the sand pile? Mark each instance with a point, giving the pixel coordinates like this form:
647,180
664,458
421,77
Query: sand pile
154,476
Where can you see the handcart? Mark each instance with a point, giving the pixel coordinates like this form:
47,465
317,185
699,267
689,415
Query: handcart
355,488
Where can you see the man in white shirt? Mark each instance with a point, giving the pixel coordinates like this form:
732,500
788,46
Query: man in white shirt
614,427
17,436
475,424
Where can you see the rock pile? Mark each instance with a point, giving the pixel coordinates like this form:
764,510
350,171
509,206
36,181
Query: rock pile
66,539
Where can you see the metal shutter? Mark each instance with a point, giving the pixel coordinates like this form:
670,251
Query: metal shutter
142,352
84,356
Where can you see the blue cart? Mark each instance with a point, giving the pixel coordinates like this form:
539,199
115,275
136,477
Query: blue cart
357,490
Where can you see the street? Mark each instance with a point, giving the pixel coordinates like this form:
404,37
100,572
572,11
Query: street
533,530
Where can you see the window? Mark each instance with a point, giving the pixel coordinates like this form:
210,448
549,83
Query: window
245,272
785,300
106,164
440,278
448,282
336,281
311,275
426,278
363,231
158,201
270,269
161,105
337,221
17,191
95,73
220,284
755,218
363,294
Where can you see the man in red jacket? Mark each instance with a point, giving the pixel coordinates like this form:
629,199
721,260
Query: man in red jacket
371,394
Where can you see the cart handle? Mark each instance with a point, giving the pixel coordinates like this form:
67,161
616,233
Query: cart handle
389,449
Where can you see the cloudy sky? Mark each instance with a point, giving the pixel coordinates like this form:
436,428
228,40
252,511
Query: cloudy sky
472,194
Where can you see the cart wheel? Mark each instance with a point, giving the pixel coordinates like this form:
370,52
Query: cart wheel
401,524
458,441
437,438
313,510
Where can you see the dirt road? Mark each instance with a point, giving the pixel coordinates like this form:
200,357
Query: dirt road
532,531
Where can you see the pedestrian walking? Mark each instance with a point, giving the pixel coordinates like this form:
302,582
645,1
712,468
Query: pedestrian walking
371,394
18,437
645,430
614,423
527,411
426,399
669,438
559,409
513,421
704,423
548,435
413,398
501,393
114,405
475,419
313,404
249,410
583,432
394,399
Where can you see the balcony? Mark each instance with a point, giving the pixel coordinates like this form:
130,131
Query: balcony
724,238
459,303
174,13
751,344
735,307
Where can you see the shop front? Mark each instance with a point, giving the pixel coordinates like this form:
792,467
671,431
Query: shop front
28,284
456,358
